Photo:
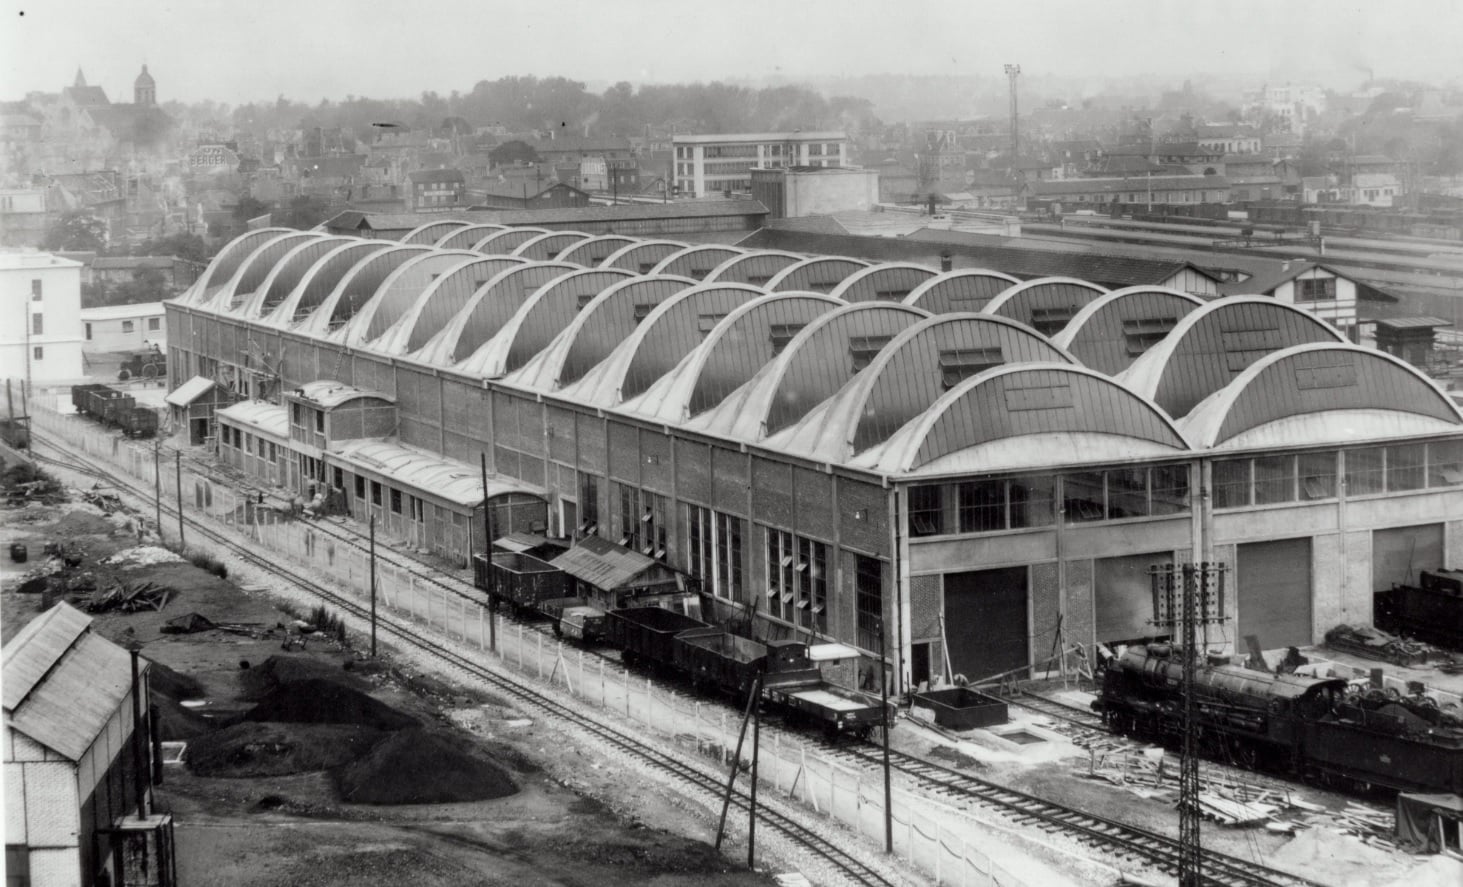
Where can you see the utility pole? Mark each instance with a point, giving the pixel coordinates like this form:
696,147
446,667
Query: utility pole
1012,72
491,579
373,586
157,485
139,770
756,746
736,763
178,476
884,704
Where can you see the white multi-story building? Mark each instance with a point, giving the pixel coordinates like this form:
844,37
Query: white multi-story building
706,164
40,297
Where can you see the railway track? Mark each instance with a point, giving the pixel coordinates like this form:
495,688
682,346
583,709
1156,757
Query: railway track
1118,840
528,697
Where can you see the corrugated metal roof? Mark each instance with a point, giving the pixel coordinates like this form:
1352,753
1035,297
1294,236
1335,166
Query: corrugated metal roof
189,391
1412,323
330,394
63,683
608,566
429,474
260,416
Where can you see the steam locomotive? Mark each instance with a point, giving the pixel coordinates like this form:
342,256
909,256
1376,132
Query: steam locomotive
1321,729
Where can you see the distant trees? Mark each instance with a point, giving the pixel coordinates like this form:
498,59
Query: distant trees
513,153
249,208
184,246
77,231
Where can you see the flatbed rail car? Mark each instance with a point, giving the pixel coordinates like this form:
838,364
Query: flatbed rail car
647,634
1430,611
520,580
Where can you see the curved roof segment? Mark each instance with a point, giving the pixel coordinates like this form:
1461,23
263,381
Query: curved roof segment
399,291
546,312
969,289
641,256
888,282
545,247
819,274
503,243
818,361
603,323
666,335
287,274
431,232
696,262
1321,393
1214,343
734,350
1046,304
255,267
488,309
755,267
468,237
1115,329
356,288
592,253
321,278
906,377
440,301
223,266
1026,416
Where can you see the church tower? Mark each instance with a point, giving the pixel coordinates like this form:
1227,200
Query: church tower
80,79
144,89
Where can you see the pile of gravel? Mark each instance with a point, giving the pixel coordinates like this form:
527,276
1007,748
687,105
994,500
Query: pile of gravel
421,766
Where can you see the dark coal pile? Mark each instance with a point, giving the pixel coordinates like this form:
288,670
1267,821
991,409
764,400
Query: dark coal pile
177,723
319,701
253,749
422,766
268,676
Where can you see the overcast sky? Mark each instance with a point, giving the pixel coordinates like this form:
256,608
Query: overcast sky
233,51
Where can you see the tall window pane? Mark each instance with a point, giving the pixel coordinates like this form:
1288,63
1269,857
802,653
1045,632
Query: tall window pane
1317,475
1127,492
1364,471
1445,463
1032,501
982,506
1274,479
1232,483
1405,467
926,507
1082,496
1170,489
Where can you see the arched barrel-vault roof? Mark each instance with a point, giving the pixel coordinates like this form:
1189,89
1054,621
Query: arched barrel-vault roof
429,233
1117,328
734,350
440,302
287,274
503,243
488,309
1321,393
223,266
886,281
642,255
819,274
818,361
1214,343
1045,304
547,246
968,289
320,280
1026,416
467,237
755,267
906,376
356,287
592,253
398,292
697,261
547,311
657,344
603,323
255,267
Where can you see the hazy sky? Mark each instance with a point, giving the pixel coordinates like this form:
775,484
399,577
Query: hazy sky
308,49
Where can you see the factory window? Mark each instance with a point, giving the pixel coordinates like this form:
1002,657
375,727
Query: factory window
982,506
375,492
360,488
127,326
962,363
862,349
1083,497
319,421
1140,335
630,517
1316,290
1169,487
154,324
655,529
797,580
926,510
1364,472
35,290
705,323
1317,472
395,501
418,512
782,333
1232,483
297,415
1274,480
1127,493
643,309
37,324
868,586
1031,500
588,504
729,556
1406,467
700,560
1445,463
38,353
714,543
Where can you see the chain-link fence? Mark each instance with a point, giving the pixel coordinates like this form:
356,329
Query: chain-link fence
936,842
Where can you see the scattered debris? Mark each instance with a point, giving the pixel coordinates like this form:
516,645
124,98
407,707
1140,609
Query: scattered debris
1372,643
131,597
142,555
108,502
191,623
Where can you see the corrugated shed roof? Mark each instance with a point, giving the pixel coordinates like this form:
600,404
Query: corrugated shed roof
606,565
63,683
330,394
260,416
1406,323
189,391
449,480
120,312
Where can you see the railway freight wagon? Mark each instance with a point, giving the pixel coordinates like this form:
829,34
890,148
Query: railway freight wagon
522,581
1431,611
647,634
1311,727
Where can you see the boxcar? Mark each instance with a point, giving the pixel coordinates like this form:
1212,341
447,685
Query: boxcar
647,634
139,422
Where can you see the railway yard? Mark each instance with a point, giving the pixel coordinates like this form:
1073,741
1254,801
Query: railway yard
565,764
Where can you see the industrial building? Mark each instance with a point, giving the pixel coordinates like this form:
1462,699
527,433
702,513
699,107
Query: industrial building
715,163
982,468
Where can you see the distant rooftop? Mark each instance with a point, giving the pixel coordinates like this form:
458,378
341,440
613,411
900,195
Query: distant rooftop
713,138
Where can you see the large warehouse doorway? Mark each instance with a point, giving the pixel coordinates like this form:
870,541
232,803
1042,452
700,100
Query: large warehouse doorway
1124,596
985,621
1399,553
1274,581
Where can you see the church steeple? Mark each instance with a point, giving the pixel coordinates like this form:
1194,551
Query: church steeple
80,79
144,89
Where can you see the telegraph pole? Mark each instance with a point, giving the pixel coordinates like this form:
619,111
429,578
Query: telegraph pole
157,485
373,586
491,579
884,705
178,476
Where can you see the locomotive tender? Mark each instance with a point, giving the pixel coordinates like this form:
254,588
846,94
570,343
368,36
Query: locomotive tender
1315,728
